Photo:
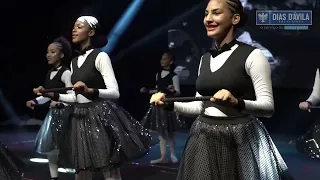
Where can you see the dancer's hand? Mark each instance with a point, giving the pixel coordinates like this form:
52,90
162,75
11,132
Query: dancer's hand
157,99
80,86
38,90
224,96
304,105
143,90
54,104
171,88
30,104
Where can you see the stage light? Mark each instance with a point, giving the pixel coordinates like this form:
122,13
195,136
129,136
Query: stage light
39,160
122,25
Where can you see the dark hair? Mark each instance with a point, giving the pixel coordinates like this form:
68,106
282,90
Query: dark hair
171,55
65,48
236,7
99,40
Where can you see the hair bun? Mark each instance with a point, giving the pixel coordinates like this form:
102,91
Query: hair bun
66,46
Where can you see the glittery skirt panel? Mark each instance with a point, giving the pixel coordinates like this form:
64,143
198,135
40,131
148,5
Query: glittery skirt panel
162,120
102,136
10,165
309,143
54,126
231,152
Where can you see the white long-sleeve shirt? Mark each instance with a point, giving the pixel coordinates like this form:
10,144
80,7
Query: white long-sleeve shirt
104,66
65,78
258,68
314,98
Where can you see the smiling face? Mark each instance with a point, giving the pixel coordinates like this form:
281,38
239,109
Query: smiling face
219,19
54,54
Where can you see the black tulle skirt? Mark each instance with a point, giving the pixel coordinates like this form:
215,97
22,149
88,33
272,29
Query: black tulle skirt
242,151
102,136
309,143
10,165
52,129
162,120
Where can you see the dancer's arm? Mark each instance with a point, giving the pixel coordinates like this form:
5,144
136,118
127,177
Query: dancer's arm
190,108
41,100
176,85
65,78
70,97
314,98
104,66
258,68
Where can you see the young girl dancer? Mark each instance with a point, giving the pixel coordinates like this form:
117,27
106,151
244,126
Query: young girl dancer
102,135
227,141
164,121
59,52
308,143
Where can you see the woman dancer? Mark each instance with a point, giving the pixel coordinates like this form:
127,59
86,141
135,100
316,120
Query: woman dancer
308,143
10,165
227,141
164,121
59,52
102,135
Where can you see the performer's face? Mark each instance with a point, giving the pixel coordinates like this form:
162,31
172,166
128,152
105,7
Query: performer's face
166,61
81,32
54,54
218,19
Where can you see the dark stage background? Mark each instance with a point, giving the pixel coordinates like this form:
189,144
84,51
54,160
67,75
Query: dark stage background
29,28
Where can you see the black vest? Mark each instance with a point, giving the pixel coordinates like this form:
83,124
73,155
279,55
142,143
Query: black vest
88,73
232,76
56,81
163,83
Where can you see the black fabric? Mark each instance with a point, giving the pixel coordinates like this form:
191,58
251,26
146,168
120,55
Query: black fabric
102,136
55,82
215,51
10,165
232,76
308,143
88,74
162,120
243,151
164,82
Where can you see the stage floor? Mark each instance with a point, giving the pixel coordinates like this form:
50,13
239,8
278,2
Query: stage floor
20,141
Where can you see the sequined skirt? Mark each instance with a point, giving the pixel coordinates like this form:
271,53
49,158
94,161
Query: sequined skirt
309,143
52,129
102,136
162,120
243,151
10,165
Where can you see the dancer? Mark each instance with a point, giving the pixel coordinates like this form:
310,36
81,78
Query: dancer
309,142
10,165
227,141
59,52
102,135
164,121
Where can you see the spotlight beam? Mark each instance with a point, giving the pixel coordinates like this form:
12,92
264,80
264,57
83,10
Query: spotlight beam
157,32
